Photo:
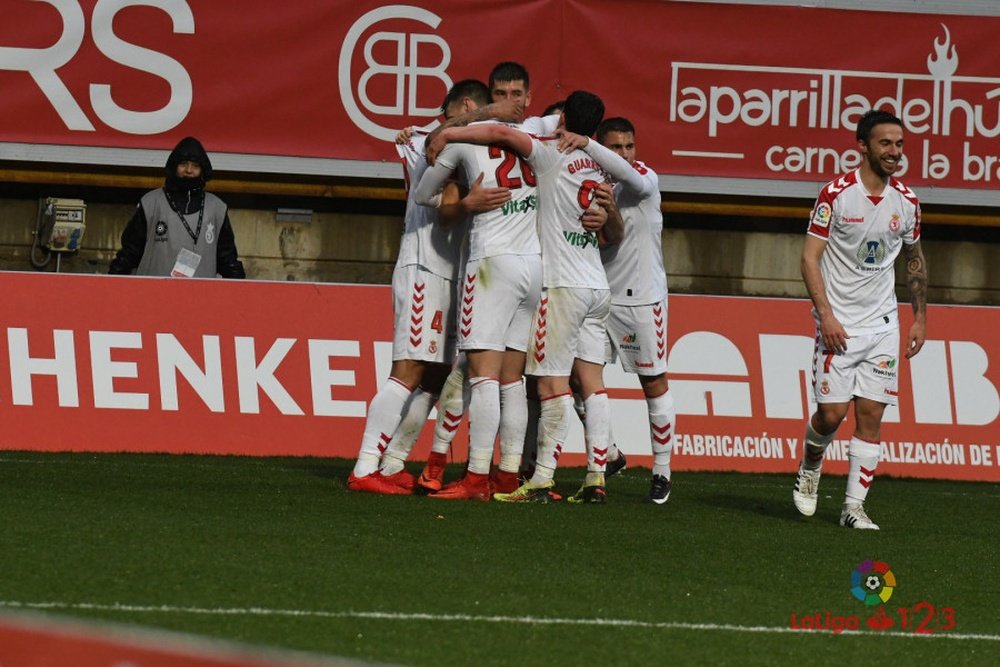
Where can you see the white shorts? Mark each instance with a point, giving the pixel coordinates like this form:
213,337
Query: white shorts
423,309
499,296
569,324
868,368
638,335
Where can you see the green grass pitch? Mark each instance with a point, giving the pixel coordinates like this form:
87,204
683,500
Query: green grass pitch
276,552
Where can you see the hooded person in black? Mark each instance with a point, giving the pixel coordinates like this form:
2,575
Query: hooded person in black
179,229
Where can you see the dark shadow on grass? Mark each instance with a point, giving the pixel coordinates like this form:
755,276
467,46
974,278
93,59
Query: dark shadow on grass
772,508
329,469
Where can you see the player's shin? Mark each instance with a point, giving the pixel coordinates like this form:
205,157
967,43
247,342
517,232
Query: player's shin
815,447
412,422
597,435
552,429
484,421
513,425
662,416
863,459
383,418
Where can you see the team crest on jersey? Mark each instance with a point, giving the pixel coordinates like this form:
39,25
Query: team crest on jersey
871,252
894,223
433,347
824,387
210,233
821,218
161,228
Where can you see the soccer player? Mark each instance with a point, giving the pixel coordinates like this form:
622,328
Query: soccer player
568,327
637,325
423,306
860,223
501,284
509,85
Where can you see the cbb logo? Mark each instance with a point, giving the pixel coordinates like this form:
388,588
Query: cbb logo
363,41
872,582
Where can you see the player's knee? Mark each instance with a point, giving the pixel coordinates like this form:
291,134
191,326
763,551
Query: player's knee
828,417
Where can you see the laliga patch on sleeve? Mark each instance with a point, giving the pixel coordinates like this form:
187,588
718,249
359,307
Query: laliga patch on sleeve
822,215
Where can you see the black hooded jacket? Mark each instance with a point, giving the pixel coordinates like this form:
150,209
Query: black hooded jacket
186,196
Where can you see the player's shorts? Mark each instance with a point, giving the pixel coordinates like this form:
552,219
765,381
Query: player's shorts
569,324
498,300
868,368
423,308
638,335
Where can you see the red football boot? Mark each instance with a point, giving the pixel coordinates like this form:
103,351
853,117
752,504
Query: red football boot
504,482
375,483
402,479
432,478
470,487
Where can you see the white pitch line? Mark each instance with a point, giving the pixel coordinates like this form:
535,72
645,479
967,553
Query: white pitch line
470,618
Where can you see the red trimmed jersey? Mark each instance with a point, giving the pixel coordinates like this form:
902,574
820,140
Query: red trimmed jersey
864,234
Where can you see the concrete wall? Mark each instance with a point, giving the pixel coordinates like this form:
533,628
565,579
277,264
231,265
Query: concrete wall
361,247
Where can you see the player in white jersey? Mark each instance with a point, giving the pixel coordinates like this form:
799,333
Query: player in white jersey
423,307
509,89
637,326
500,288
860,223
568,327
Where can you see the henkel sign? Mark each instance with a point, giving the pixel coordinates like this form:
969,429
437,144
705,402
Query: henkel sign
777,103
108,363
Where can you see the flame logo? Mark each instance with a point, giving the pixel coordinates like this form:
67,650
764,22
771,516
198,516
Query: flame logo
941,64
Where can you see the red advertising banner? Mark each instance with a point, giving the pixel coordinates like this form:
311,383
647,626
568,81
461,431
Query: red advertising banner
717,91
31,640
109,363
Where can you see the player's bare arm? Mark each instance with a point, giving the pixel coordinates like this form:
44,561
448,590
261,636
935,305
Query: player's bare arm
594,219
831,330
510,110
477,200
613,230
620,169
485,133
570,141
916,279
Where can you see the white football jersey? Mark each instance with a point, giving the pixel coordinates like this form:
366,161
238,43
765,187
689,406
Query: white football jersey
540,125
635,266
570,254
864,234
508,230
424,243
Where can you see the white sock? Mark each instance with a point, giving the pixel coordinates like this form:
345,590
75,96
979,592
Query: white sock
661,431
815,447
530,452
580,407
415,416
451,406
613,452
552,428
383,417
513,425
484,421
863,458
597,431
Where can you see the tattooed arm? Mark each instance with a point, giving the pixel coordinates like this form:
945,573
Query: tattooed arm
916,280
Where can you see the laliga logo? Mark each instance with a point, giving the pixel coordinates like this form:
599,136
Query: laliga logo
406,70
872,582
